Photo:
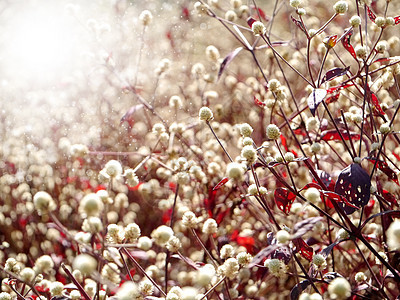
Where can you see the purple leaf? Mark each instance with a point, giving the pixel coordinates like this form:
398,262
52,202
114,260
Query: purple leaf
128,115
333,73
299,24
315,98
298,288
227,60
354,184
303,248
305,226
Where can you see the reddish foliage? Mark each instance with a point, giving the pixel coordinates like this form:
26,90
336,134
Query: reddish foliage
303,248
333,135
221,183
384,167
284,199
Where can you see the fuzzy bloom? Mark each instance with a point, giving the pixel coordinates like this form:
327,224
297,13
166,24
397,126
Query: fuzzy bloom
5,296
312,123
85,263
132,232
230,268
339,289
341,7
79,150
204,275
361,51
275,266
355,21
227,251
12,265
56,288
380,21
162,234
205,114
43,202
319,261
111,273
158,128
312,195
235,171
210,226
113,168
174,244
282,236
273,132
316,148
145,17
115,233
385,128
289,156
175,102
129,290
146,287
230,15
92,225
131,178
27,274
249,153
144,243
301,11
175,293
274,85
342,234
295,3
244,258
91,205
360,277
247,141
245,130
252,189
43,264
258,28
389,21
393,235
212,53
189,220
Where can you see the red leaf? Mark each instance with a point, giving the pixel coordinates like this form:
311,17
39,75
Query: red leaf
311,185
284,142
221,183
371,14
346,43
332,99
284,199
299,24
303,248
261,13
246,241
228,59
333,135
258,102
397,20
332,196
250,21
384,167
337,88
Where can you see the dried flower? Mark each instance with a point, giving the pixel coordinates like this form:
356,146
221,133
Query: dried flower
210,226
258,28
145,17
205,114
273,132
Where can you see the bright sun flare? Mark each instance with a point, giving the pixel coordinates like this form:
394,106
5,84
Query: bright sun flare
42,43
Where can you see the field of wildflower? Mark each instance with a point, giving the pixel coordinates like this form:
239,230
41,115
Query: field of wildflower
188,150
